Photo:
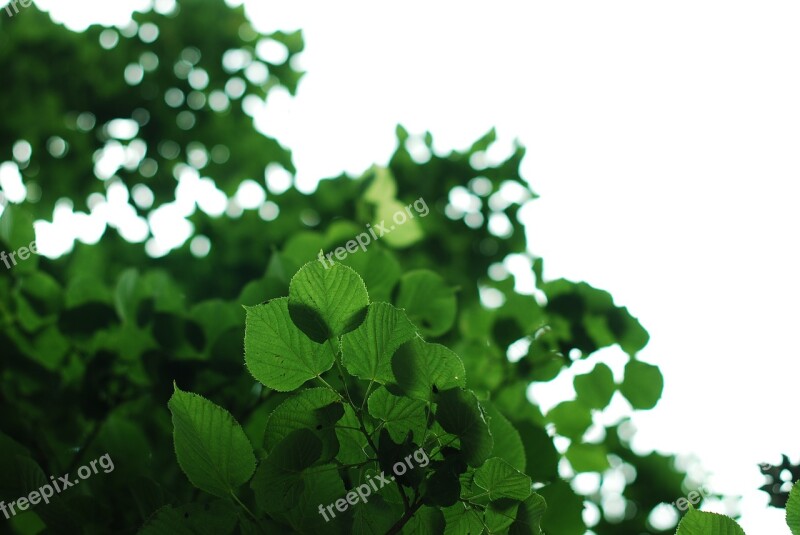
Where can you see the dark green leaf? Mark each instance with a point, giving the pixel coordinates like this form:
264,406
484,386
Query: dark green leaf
529,516
277,353
422,369
399,414
643,384
595,388
587,457
315,409
701,523
427,300
793,510
459,413
327,301
501,480
367,351
211,446
571,418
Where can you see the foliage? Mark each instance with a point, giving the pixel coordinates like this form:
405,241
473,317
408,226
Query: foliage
701,523
793,510
777,477
307,466
101,347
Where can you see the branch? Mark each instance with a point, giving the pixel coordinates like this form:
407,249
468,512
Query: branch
398,527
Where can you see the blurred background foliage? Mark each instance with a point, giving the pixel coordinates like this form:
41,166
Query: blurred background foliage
92,341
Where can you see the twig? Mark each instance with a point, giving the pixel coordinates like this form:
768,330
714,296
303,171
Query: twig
398,527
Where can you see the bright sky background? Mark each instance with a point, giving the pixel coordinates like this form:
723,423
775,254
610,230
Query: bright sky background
663,139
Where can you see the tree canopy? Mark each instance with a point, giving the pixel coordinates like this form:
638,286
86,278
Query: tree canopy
238,388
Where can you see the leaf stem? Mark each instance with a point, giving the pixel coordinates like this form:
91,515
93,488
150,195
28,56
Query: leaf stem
427,422
342,376
345,466
443,446
366,394
375,449
326,383
243,506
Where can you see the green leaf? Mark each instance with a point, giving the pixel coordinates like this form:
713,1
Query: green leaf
212,449
367,351
43,292
595,388
427,300
403,234
630,334
16,226
277,353
701,523
426,521
507,441
499,515
126,294
443,487
501,480
379,269
315,409
587,457
422,369
352,443
49,347
375,517
484,363
643,384
793,510
327,301
539,448
392,454
21,475
379,185
16,232
529,516
459,413
279,480
126,440
462,519
565,514
301,246
400,414
323,486
216,317
571,418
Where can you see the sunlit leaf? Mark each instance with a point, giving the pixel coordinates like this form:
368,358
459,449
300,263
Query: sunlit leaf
211,446
327,300
277,353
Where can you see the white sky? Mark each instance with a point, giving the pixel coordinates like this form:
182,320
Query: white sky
663,139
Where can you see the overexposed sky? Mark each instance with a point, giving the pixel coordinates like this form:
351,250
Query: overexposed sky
664,140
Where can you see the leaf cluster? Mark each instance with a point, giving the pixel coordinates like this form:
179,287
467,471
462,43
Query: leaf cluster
93,343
